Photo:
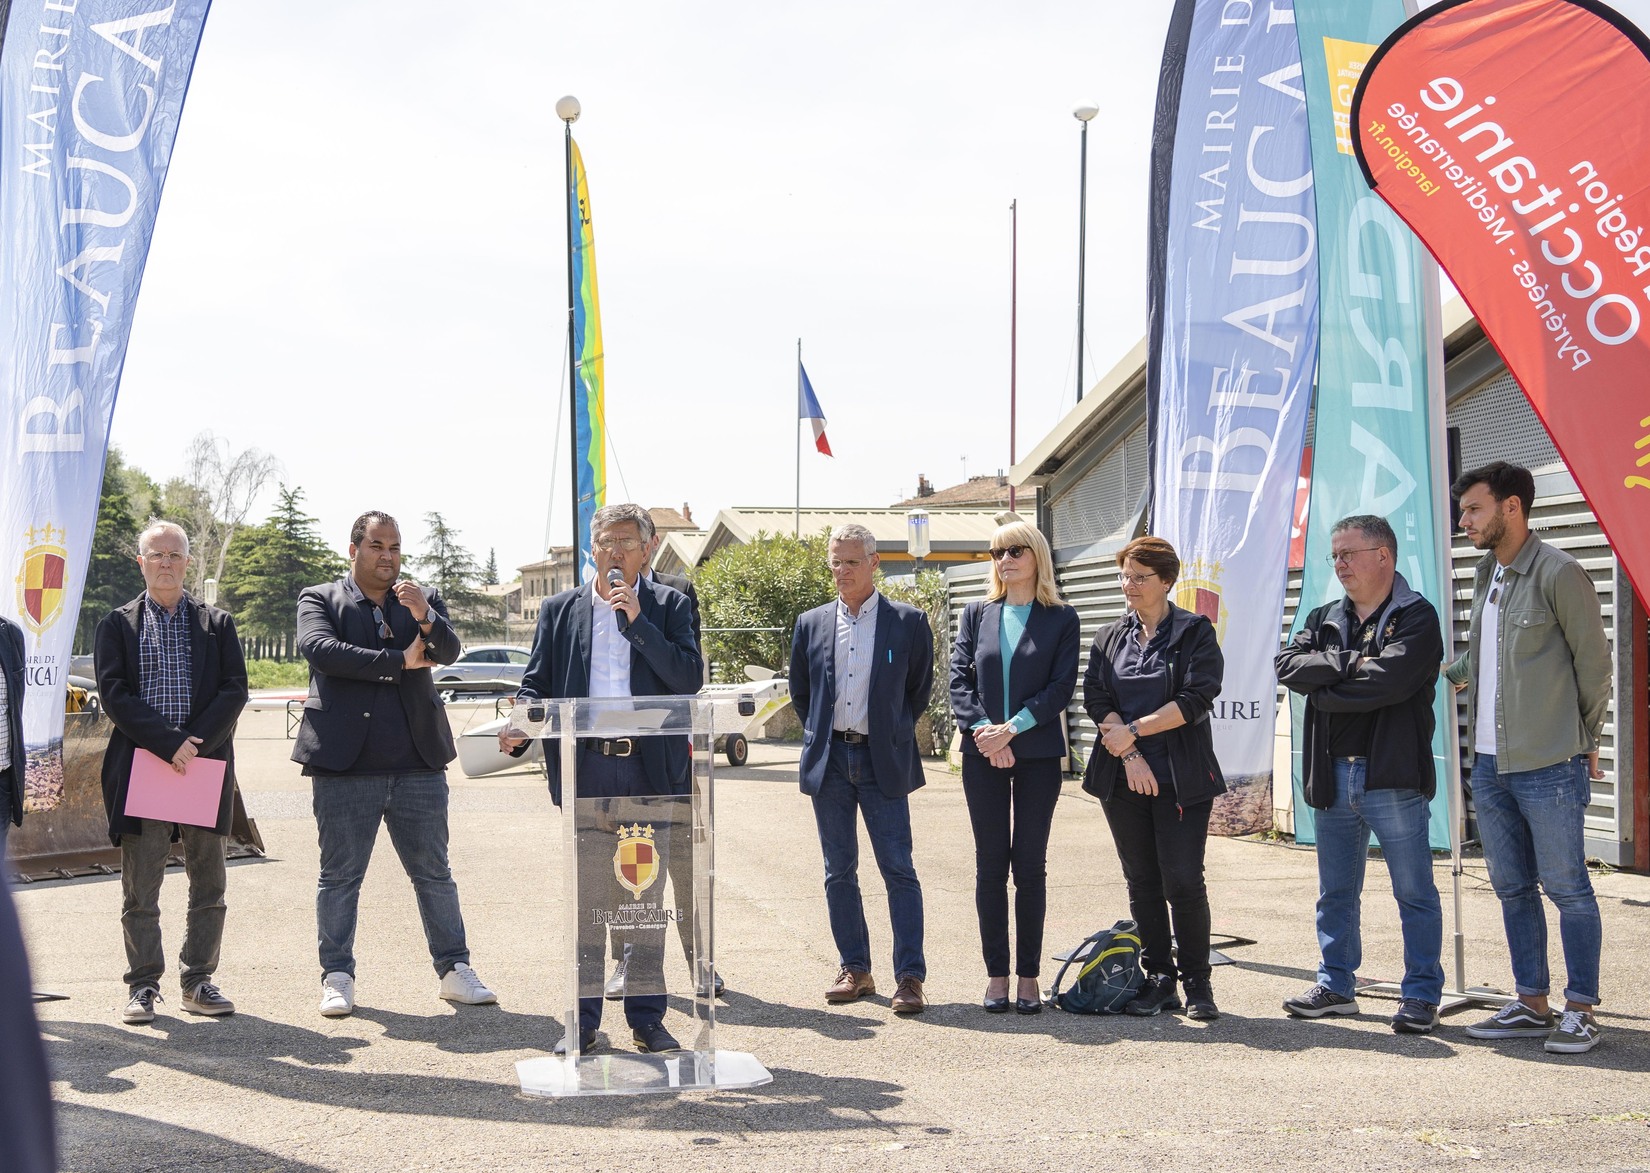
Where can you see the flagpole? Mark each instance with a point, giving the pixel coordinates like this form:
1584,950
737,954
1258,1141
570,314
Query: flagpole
797,516
1014,334
567,109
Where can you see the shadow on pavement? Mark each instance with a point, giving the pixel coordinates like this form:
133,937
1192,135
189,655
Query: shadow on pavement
307,1066
96,1140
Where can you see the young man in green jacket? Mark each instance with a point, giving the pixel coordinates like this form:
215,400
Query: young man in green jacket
1537,675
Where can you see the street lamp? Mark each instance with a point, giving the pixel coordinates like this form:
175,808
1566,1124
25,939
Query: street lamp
916,538
211,592
1084,113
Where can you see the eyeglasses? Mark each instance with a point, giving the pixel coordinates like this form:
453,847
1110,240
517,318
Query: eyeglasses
1134,580
163,557
1346,555
383,624
608,545
997,555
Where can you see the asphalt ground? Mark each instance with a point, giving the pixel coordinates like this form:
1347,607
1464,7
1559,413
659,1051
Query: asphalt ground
411,1082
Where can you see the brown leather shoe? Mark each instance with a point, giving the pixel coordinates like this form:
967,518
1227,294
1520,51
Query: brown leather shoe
908,998
850,984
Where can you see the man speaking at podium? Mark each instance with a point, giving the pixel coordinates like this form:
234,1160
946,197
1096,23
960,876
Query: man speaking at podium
621,635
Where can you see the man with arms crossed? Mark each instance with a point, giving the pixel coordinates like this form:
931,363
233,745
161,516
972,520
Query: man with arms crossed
862,669
1537,675
172,678
375,744
1368,668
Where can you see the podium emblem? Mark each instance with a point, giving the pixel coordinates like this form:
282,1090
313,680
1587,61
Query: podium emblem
636,862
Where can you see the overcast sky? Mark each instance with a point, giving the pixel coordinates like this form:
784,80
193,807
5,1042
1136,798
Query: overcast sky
359,263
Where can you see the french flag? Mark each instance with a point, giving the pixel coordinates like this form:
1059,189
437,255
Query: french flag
808,408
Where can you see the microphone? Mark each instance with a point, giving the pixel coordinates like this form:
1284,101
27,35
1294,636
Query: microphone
615,578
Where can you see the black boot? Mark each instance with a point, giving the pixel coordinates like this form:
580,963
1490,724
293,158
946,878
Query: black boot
1200,1000
1158,996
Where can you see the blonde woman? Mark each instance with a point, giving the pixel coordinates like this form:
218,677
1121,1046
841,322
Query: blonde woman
1013,671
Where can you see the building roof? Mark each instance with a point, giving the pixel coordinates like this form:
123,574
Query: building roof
1128,378
678,551
987,491
666,519
950,530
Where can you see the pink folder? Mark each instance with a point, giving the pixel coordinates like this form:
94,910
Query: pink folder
156,791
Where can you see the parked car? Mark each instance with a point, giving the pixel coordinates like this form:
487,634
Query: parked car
507,662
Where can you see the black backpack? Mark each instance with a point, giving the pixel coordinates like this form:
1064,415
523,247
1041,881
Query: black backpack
1110,975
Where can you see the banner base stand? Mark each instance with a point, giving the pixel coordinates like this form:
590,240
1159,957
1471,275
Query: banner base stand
1483,997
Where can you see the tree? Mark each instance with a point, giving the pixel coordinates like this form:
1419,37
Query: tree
212,499
265,568
489,573
113,577
449,567
764,583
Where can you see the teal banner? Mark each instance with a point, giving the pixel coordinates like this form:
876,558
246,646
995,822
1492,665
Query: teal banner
1380,357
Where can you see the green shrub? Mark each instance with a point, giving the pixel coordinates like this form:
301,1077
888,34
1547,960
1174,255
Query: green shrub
277,673
767,582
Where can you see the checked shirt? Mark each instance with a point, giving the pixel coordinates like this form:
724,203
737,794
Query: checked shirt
163,658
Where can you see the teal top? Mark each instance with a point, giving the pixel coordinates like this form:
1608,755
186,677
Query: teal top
1013,627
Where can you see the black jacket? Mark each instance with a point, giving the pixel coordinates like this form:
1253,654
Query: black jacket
1396,683
217,696
1042,675
1196,671
664,661
11,662
347,664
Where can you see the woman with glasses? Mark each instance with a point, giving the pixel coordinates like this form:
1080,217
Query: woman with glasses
1013,670
1152,678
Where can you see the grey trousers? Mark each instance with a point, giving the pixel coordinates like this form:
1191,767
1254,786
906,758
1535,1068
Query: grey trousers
142,867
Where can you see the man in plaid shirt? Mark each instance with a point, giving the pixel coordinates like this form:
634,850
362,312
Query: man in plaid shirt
172,678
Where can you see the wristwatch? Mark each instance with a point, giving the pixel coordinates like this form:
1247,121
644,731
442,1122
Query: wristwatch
1134,730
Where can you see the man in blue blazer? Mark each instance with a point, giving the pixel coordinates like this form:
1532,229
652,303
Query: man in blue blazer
375,744
14,767
620,635
862,669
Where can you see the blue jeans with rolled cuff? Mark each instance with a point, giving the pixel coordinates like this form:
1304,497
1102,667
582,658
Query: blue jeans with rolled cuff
1532,826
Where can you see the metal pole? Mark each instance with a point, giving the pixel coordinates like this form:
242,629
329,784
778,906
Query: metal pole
1082,245
572,354
796,518
1014,332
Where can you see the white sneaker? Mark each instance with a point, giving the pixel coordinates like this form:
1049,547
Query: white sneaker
462,985
337,994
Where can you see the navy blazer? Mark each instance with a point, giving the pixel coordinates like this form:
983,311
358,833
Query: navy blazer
664,661
1041,676
902,679
348,662
217,696
11,662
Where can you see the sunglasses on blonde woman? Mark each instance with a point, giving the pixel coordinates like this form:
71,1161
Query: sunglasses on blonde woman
999,553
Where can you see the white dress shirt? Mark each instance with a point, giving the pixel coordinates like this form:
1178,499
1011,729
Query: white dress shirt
609,649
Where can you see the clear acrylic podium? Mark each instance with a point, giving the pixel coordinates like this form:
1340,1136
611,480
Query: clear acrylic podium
639,885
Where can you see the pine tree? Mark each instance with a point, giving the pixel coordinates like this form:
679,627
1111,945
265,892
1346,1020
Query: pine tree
452,570
489,573
268,564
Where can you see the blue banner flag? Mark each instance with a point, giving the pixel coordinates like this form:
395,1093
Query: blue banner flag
90,96
1232,343
1380,357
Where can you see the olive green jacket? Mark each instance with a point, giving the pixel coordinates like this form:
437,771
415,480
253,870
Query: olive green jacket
1553,655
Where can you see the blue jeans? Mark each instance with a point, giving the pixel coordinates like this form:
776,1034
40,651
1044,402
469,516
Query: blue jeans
850,784
1398,819
348,812
1531,826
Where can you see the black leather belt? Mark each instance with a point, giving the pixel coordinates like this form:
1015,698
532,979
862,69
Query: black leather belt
850,736
619,747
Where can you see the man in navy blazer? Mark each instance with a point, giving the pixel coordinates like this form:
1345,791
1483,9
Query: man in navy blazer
375,744
620,635
862,669
15,767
